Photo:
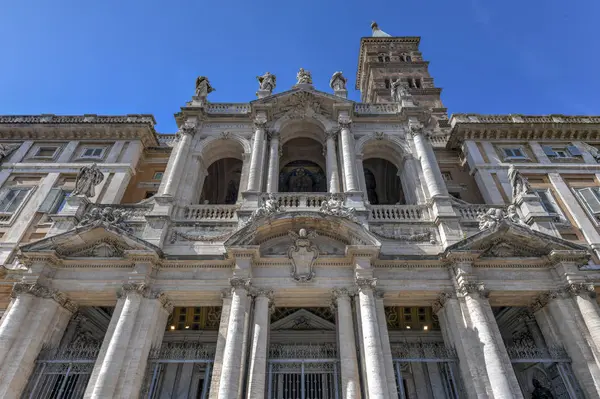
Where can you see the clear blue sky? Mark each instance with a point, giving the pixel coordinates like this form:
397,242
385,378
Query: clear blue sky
119,57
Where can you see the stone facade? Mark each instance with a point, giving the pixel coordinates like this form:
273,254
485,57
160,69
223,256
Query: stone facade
302,245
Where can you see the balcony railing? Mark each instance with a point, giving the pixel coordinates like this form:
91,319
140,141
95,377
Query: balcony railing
470,212
300,201
208,213
398,213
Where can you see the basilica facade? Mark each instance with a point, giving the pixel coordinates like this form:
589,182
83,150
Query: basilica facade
302,246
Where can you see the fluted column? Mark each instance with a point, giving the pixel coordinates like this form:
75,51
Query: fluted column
333,177
273,175
47,314
385,344
179,157
347,345
585,299
375,369
256,160
258,353
140,323
429,165
502,379
349,159
232,355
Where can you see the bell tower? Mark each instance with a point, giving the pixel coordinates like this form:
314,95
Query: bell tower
383,59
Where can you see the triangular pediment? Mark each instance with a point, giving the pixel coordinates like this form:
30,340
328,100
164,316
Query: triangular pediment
302,320
510,240
96,240
300,103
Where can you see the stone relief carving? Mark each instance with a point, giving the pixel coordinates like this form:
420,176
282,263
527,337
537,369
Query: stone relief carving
334,206
303,77
267,82
6,150
104,249
44,292
494,216
338,82
203,87
87,179
394,232
110,216
299,106
207,234
268,208
303,254
399,91
593,151
518,182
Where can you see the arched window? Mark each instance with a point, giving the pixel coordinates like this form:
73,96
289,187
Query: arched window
387,58
222,183
382,182
380,58
302,166
408,58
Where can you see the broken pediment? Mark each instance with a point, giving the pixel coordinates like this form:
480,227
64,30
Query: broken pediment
91,241
511,240
302,320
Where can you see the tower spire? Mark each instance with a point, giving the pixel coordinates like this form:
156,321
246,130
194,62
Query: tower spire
377,32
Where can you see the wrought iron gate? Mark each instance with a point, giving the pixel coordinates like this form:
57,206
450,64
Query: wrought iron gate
303,372
407,353
62,373
179,369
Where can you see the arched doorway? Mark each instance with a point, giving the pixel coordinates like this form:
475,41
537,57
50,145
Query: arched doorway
303,167
382,182
222,182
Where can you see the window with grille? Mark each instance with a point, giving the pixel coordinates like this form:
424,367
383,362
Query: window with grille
12,198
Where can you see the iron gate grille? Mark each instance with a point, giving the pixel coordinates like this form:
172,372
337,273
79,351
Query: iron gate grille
62,374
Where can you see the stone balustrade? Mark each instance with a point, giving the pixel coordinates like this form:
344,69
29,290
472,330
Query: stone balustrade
6,218
398,213
228,108
300,201
376,109
207,213
470,212
167,140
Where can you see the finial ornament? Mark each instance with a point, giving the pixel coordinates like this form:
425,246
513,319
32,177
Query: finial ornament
303,77
203,87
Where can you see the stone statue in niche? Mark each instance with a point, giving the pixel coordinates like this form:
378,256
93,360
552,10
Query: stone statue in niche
540,392
399,91
267,82
203,87
301,182
87,179
518,182
334,206
338,82
303,253
232,192
303,77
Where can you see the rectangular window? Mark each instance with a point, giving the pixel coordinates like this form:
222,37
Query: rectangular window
45,152
92,152
12,198
157,176
55,201
550,205
590,196
564,152
514,153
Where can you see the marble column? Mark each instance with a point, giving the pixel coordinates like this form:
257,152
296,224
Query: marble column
375,370
273,175
232,355
47,314
584,296
347,343
348,154
179,158
13,321
429,165
557,317
139,322
502,379
219,350
256,160
385,344
258,353
333,178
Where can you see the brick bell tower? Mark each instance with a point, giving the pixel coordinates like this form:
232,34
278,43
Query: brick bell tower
383,59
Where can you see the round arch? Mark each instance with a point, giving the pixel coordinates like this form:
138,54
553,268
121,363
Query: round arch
213,148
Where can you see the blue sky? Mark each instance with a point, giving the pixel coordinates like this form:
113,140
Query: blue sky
120,57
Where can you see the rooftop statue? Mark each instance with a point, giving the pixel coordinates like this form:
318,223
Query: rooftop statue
267,82
303,77
203,87
338,82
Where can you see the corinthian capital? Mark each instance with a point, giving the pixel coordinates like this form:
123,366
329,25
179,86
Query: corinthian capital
188,128
473,288
134,289
41,291
366,283
581,289
260,123
239,282
344,122
441,300
331,133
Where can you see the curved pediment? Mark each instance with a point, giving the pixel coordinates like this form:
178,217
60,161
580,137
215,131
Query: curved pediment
333,234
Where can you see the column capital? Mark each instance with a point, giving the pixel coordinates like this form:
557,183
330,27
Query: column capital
344,122
165,302
338,293
41,291
473,288
366,283
188,128
581,289
127,289
240,282
441,300
417,130
262,292
260,123
331,134
543,299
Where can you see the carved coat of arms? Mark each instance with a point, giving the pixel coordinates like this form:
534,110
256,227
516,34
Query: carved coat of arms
303,254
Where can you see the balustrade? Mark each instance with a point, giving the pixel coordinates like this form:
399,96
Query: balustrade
300,201
376,109
398,213
208,213
471,212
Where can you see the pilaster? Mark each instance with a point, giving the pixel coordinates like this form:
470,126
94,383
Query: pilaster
259,349
350,387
